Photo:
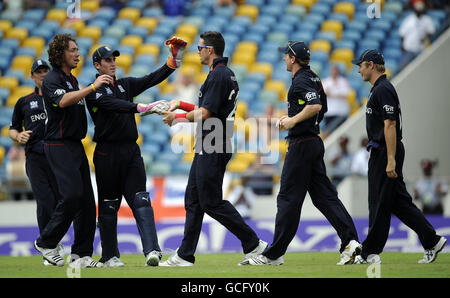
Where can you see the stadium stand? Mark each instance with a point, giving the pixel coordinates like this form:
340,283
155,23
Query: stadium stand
337,31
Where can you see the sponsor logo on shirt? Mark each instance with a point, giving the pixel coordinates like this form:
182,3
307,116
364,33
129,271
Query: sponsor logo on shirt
69,85
121,88
389,109
310,96
60,91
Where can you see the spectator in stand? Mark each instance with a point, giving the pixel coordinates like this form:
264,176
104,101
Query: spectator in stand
429,190
415,31
337,89
341,160
360,160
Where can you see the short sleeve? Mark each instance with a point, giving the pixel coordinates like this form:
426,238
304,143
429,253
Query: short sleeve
53,90
388,104
214,94
17,117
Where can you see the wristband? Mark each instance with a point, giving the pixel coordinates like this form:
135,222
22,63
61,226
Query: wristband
186,106
93,87
180,116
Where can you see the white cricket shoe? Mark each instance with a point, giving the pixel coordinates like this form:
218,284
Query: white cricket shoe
175,261
371,259
51,255
84,262
431,254
350,252
263,260
257,251
153,258
113,262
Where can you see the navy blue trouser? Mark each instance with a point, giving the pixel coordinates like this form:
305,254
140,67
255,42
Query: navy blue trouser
44,186
76,203
120,171
304,171
204,195
389,196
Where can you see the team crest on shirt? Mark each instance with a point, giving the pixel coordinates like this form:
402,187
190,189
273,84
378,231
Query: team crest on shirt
33,104
69,85
121,88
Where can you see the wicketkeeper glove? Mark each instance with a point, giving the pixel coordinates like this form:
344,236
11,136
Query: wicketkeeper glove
176,47
156,107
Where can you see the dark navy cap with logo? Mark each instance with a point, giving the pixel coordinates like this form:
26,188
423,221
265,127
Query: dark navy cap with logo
296,48
370,55
104,52
39,63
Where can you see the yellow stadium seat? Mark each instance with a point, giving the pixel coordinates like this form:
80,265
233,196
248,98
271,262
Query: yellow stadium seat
36,42
9,82
343,55
247,46
76,24
277,86
241,110
237,166
124,61
18,93
245,58
57,14
18,33
188,157
192,59
165,87
2,154
345,7
148,49
5,131
93,32
251,11
306,3
148,22
201,77
23,63
5,26
352,101
91,5
187,30
131,40
320,45
130,13
333,26
262,67
279,146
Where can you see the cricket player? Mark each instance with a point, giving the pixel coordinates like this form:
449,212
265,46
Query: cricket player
304,169
66,126
387,191
119,167
217,104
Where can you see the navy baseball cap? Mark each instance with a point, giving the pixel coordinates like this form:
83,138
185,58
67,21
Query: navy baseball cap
370,55
104,52
296,48
39,63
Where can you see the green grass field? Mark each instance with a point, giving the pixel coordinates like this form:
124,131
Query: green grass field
297,265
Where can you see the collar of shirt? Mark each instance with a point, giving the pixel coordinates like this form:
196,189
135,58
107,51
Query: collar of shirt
301,70
378,81
220,60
